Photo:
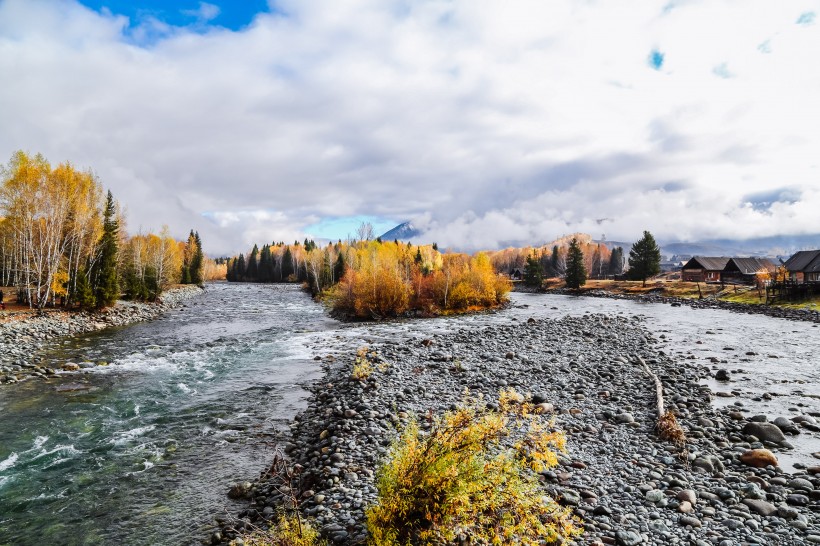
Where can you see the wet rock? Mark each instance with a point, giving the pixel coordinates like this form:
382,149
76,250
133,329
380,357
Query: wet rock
722,375
628,538
759,506
766,432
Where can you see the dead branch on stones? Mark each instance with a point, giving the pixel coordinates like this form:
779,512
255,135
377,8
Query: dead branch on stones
667,424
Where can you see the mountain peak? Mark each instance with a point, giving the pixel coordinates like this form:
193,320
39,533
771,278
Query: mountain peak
402,232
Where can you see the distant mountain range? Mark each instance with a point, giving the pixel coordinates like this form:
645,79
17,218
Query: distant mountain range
777,246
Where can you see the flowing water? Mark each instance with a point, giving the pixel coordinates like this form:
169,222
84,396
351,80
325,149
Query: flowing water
142,451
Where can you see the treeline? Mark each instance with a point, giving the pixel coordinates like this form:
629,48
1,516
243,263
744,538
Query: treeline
537,263
576,258
375,279
63,241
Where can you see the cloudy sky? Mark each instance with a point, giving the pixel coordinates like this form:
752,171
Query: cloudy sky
485,122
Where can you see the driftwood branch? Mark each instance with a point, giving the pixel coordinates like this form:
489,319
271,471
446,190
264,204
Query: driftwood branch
658,385
667,425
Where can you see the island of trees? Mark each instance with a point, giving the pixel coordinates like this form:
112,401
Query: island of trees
372,279
63,241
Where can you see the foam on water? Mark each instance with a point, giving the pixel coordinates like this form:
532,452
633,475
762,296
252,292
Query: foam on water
8,462
130,435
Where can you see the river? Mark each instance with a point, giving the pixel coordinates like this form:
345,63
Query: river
142,451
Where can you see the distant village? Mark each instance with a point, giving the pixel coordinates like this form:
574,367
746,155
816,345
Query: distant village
796,278
802,267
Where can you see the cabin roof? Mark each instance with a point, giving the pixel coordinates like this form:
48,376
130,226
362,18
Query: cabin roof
805,260
708,263
752,266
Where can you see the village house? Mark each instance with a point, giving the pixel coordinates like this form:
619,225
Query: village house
727,270
804,266
748,270
703,269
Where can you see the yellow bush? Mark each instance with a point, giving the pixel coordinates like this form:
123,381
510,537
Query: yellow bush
289,530
362,368
460,479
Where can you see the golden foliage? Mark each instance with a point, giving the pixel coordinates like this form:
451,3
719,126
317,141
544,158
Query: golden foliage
362,368
289,530
461,479
388,279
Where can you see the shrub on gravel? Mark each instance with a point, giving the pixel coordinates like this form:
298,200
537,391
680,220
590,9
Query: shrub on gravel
289,530
471,476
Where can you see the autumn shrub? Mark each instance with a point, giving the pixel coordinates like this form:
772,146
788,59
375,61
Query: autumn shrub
386,280
472,474
362,368
289,530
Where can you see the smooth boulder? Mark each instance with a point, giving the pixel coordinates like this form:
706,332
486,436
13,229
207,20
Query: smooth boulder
766,432
759,458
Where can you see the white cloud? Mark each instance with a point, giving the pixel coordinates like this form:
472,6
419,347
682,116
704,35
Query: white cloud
205,12
488,122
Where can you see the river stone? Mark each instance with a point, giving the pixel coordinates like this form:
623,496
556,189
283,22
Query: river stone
759,458
761,507
690,521
570,497
767,432
786,426
687,495
624,418
628,538
240,490
801,483
722,375
654,495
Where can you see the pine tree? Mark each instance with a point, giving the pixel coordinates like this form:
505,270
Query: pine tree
83,293
644,258
197,261
554,258
240,268
533,275
106,285
287,264
616,261
339,267
576,276
253,265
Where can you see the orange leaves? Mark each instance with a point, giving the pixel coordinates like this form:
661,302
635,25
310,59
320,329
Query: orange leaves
389,279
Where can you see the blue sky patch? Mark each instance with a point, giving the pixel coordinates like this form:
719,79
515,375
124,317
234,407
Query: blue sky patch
339,228
807,18
655,59
722,71
231,14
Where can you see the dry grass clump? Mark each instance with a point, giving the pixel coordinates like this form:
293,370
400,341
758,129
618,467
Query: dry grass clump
460,480
669,429
289,530
361,365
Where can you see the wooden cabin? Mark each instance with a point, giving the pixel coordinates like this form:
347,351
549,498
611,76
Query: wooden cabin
703,269
804,266
748,270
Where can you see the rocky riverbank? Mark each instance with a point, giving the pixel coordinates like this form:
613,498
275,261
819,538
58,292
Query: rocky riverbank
808,315
20,339
627,486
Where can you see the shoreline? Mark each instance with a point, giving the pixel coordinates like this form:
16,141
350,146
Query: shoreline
20,339
805,315
628,486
